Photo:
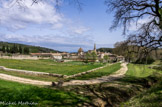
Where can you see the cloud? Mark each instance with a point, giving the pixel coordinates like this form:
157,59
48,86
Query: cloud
79,30
62,43
28,17
14,16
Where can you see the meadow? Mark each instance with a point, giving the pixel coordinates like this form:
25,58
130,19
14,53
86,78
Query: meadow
99,73
40,96
67,68
141,86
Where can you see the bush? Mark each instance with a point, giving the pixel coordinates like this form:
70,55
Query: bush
145,61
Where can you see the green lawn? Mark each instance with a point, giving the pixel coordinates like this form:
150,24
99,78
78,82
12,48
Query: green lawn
101,72
29,76
44,97
139,70
68,68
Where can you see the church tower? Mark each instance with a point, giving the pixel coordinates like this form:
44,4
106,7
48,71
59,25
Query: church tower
94,47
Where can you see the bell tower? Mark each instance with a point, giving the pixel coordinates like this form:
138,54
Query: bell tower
94,47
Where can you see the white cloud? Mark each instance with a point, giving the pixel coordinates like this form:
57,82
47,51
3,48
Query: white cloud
52,39
16,17
78,29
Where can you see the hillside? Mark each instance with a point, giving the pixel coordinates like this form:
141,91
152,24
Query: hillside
105,50
33,49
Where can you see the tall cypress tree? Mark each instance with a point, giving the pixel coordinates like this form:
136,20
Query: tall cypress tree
20,49
7,49
3,49
15,48
26,50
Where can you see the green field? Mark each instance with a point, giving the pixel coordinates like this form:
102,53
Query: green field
99,73
68,68
138,70
29,76
44,97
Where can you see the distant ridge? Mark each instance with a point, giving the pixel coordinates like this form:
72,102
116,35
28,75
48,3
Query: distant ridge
33,49
105,50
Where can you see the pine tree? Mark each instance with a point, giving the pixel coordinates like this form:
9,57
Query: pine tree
15,48
7,49
26,50
20,49
3,49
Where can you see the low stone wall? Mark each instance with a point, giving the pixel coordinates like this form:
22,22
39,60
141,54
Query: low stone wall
30,72
51,74
21,57
83,73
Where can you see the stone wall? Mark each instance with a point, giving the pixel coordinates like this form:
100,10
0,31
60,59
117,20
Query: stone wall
30,72
83,73
21,57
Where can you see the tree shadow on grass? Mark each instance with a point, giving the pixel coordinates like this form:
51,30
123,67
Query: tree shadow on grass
145,82
111,95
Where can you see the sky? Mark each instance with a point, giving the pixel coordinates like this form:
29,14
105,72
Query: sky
63,29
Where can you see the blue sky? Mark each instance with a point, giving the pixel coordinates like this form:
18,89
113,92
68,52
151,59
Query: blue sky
65,29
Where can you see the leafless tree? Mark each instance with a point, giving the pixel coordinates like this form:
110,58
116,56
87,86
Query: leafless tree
149,35
127,11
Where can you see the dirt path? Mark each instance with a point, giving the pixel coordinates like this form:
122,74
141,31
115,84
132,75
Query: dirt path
23,80
119,74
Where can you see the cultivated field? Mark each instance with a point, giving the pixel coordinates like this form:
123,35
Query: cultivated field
68,68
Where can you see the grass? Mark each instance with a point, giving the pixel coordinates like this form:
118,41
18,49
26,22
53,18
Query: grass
137,73
68,68
143,75
139,70
42,97
101,72
33,77
150,98
143,83
144,86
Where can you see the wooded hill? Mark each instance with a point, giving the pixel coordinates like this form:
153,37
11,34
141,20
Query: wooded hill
105,50
22,48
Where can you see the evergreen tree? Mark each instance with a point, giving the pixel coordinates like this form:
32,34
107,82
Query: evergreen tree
20,49
26,50
7,49
3,49
15,48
